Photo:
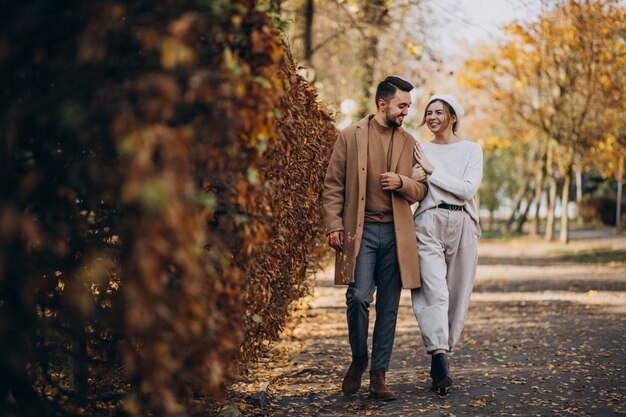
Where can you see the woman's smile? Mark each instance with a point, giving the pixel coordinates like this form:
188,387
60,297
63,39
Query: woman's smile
434,124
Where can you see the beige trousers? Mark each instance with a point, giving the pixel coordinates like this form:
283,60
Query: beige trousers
448,252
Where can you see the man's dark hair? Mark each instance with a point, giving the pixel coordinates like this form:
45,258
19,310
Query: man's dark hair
387,88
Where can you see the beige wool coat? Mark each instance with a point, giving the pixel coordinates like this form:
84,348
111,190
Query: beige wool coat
344,200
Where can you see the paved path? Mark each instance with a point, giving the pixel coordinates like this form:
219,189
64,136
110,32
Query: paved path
545,336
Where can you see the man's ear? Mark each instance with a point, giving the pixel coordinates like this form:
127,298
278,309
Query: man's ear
381,103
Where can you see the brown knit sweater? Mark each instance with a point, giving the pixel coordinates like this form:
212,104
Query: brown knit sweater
377,201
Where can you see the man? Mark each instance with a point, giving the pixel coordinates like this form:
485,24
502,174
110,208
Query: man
367,196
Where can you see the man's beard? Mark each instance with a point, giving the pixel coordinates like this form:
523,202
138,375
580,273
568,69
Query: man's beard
391,122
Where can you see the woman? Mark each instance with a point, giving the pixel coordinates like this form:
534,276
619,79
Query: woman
447,229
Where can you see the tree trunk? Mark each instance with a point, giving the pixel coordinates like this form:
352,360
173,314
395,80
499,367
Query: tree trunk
524,215
306,69
620,179
369,56
375,15
309,13
549,234
517,202
540,178
567,181
539,181
579,193
551,208
564,203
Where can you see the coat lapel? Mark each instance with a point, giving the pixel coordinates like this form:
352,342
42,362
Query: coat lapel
399,141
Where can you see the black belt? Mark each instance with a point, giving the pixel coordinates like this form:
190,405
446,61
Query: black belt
451,207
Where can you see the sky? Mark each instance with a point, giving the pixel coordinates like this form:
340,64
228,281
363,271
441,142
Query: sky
457,27
467,22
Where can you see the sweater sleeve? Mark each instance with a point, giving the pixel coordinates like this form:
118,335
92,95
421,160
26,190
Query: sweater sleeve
467,186
334,186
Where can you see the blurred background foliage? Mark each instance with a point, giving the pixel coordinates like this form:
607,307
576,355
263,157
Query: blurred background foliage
544,95
551,94
346,46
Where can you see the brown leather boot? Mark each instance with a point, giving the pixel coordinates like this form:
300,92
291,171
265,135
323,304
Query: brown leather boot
352,380
378,389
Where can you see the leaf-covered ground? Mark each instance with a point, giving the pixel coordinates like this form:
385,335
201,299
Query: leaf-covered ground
545,336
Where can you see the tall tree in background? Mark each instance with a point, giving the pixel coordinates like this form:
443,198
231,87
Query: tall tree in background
499,174
346,45
548,73
609,153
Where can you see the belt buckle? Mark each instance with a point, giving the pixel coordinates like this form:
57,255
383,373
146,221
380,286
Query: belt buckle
456,208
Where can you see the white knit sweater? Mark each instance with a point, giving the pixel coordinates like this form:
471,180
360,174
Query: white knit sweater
458,170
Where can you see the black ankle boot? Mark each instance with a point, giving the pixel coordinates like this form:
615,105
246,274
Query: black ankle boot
439,373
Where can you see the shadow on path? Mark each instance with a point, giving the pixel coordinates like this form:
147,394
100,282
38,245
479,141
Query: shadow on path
532,346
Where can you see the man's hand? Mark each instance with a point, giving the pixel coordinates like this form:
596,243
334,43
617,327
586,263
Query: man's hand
335,240
390,181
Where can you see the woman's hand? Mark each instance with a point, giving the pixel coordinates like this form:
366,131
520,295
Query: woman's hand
418,173
420,157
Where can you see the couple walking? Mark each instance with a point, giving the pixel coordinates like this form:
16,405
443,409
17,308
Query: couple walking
377,170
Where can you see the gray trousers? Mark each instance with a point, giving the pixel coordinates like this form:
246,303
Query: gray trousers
448,251
376,269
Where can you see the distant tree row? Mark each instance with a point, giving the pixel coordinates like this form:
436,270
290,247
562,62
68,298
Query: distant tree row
556,89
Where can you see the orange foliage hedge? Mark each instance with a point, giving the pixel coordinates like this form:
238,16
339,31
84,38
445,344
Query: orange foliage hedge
160,177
